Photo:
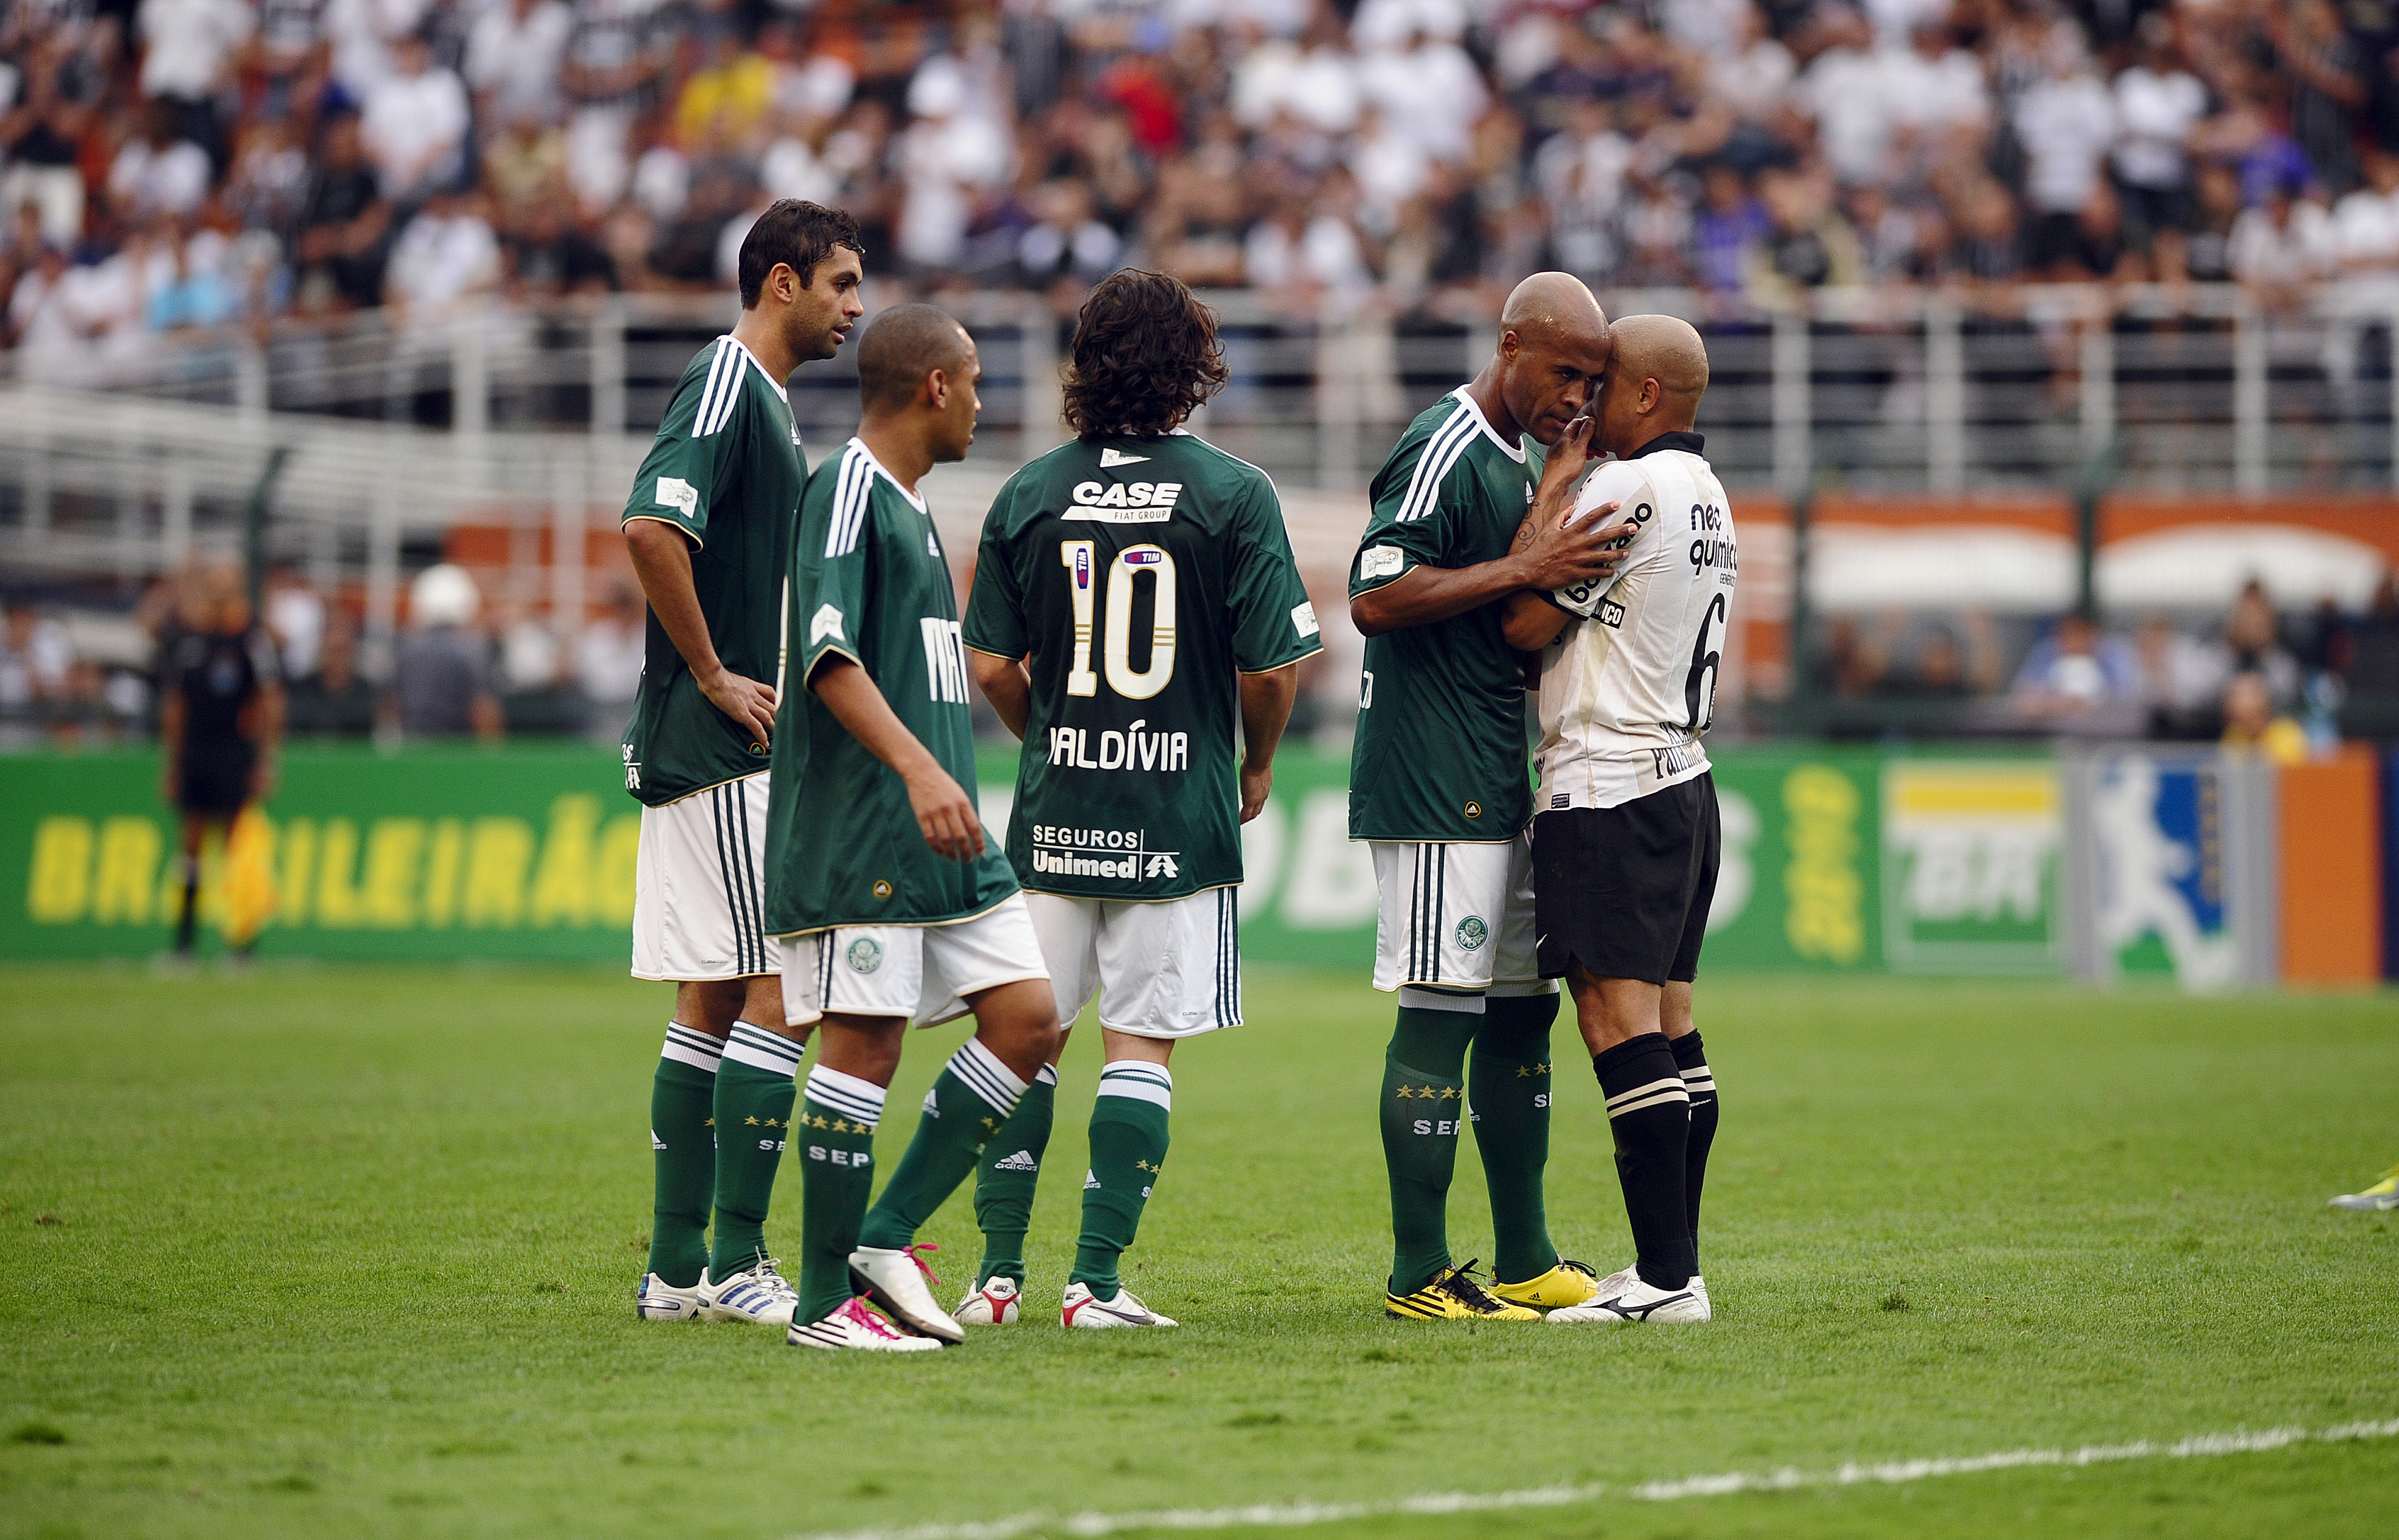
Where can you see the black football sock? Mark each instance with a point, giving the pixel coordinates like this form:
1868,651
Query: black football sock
187,921
1692,1060
1649,1113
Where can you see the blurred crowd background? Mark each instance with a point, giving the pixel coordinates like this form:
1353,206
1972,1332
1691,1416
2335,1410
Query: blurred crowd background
173,164
228,166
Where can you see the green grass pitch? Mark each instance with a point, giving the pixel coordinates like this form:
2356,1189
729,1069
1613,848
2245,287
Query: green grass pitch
350,1251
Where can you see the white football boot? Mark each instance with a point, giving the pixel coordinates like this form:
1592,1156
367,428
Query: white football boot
895,1280
991,1303
856,1324
657,1299
1082,1308
1630,1273
1625,1300
760,1295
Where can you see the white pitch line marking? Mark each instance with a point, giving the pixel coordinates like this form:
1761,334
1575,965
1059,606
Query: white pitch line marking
2201,1446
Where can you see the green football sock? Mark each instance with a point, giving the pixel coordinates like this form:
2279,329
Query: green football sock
837,1141
971,1098
1127,1151
1007,1175
1423,1105
1508,1091
754,1117
683,1144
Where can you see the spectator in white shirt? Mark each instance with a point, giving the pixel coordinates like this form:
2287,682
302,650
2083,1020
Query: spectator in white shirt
1316,80
414,126
1431,90
608,654
2365,223
2157,104
160,173
946,158
2280,245
447,254
1580,173
187,46
2066,123
1751,76
513,55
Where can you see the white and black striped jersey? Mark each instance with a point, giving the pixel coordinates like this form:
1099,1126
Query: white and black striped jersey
1628,687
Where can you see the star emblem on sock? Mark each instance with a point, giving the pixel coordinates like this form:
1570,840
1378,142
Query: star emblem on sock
1524,1072
710,1124
1146,1166
1449,1093
751,1122
990,1125
1541,1069
841,1126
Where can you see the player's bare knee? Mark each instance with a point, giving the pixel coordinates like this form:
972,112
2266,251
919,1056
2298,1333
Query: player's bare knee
762,1005
1675,1010
711,1005
1133,1046
1018,1023
867,1046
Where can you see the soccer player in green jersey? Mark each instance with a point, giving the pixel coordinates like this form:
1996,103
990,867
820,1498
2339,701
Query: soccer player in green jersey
1438,784
890,905
1134,593
708,525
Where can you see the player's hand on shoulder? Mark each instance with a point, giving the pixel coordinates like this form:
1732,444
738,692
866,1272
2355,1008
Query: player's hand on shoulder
945,814
748,703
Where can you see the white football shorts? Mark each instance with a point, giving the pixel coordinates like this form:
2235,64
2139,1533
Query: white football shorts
1170,970
921,972
699,886
1456,918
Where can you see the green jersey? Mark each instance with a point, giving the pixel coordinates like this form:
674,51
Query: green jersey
1140,575
869,582
726,470
1440,751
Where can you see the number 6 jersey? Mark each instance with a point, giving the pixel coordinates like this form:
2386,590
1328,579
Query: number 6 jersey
1140,575
1628,687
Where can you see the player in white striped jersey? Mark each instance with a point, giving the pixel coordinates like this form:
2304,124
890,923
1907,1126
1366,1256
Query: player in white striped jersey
1626,842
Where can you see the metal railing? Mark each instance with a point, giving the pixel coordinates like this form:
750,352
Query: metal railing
1904,390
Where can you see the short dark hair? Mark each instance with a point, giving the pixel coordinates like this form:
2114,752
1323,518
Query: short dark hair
798,235
901,347
1145,355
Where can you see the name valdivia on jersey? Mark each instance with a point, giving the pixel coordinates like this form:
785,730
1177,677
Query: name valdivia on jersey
1131,749
1063,852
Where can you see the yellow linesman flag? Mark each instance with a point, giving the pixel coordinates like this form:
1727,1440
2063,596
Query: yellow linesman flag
249,878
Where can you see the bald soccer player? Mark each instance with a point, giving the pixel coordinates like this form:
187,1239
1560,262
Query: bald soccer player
892,905
1438,784
1625,847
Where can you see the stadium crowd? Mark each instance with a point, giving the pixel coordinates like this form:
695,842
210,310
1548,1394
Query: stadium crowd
171,163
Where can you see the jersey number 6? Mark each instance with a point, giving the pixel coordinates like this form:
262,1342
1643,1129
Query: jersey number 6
1077,557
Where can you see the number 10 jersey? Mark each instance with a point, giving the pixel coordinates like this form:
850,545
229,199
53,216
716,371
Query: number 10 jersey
1140,576
1628,687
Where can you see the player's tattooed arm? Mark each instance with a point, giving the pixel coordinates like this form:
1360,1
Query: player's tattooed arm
944,813
1004,684
661,554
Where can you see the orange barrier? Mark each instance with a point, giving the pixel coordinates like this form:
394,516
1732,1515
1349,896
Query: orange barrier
2332,869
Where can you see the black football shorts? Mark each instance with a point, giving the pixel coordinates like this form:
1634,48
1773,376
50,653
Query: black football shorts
1625,890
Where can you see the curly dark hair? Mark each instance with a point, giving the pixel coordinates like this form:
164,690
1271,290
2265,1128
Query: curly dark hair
1145,355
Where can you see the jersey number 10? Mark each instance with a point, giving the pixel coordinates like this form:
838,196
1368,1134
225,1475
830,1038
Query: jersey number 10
1077,557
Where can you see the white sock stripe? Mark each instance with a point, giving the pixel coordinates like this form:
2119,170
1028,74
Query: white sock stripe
986,1076
1662,1083
773,1044
1138,1090
694,1057
1047,1075
1677,1094
860,1099
692,1037
1433,999
1140,1069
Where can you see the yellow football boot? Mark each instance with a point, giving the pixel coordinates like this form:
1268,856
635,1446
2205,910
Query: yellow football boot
1454,1296
1568,1283
2383,1194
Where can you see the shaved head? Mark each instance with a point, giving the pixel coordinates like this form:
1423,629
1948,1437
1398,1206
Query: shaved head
1664,349
901,347
1554,307
1553,350
1655,380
